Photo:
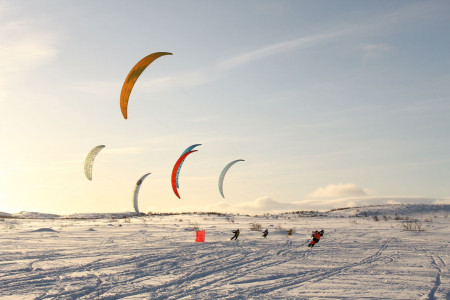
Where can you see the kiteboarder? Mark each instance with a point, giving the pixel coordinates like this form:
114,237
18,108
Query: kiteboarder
236,234
265,233
316,235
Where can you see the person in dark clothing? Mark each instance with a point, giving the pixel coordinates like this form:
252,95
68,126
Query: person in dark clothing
236,234
316,235
265,233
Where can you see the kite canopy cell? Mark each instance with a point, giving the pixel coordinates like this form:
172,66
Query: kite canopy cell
89,161
136,192
222,174
133,76
175,171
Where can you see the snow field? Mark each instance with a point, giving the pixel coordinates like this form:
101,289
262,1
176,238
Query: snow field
155,257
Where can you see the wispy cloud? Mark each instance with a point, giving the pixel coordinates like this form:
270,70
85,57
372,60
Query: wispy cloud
259,205
338,190
23,47
373,50
220,69
268,205
282,47
405,14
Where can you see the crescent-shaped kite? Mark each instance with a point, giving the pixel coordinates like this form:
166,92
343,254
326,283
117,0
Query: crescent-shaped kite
133,76
136,192
185,151
222,174
175,169
89,161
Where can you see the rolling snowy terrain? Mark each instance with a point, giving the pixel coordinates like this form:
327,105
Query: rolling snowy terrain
380,252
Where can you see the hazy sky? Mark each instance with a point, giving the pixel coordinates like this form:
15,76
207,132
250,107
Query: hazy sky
330,103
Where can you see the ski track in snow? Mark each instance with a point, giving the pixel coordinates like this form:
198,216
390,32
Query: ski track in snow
357,258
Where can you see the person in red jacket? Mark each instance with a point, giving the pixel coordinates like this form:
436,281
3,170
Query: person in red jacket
316,238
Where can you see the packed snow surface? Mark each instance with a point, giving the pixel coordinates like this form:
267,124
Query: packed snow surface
390,252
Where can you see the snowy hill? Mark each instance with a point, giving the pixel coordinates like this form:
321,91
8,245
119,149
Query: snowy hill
115,256
392,210
4,215
388,210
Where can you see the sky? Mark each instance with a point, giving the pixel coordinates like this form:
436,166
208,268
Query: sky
330,104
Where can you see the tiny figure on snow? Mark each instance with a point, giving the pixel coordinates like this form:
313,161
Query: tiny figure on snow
265,233
316,235
289,232
236,234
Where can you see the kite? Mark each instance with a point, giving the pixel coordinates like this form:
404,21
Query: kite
133,76
222,175
88,163
136,192
185,151
175,169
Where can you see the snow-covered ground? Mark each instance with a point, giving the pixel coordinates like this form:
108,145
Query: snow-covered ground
155,257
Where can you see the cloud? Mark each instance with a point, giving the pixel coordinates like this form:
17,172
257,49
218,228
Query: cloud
373,50
281,47
218,70
392,202
268,205
324,198
23,47
403,15
259,205
338,190
327,204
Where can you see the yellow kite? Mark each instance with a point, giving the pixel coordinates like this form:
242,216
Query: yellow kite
133,76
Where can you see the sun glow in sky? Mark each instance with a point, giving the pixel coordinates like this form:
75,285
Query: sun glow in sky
329,104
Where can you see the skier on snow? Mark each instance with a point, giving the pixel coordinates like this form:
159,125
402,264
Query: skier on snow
316,235
236,234
265,233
